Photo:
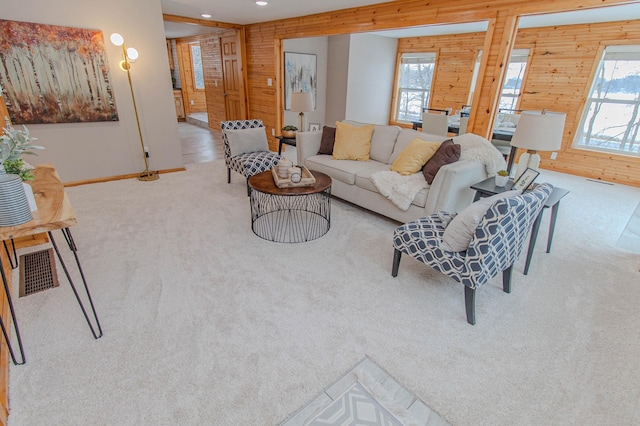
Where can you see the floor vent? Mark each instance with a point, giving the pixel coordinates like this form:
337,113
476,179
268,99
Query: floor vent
37,272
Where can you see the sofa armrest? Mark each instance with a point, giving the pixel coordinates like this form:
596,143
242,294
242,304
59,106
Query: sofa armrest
307,144
450,190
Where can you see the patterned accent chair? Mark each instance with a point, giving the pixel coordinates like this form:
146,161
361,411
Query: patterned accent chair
495,246
247,164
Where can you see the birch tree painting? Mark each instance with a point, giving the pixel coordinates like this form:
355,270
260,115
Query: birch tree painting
53,74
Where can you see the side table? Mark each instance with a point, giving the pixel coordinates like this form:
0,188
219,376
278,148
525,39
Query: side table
488,187
286,141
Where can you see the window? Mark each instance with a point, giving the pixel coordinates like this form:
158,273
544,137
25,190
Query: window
610,120
414,85
198,73
513,80
474,77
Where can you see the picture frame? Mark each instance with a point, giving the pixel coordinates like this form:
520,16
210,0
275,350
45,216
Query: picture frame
314,127
300,75
526,179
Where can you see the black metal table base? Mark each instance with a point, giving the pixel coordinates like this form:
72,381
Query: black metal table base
290,218
95,330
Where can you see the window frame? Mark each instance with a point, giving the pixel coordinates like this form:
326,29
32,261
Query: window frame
428,58
615,49
517,53
194,66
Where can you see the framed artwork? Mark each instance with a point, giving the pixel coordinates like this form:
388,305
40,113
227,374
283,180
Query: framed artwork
525,179
300,75
314,127
54,74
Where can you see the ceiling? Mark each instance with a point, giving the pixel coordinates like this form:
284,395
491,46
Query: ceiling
247,12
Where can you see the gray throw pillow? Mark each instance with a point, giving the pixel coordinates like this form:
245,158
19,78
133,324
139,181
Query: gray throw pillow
243,141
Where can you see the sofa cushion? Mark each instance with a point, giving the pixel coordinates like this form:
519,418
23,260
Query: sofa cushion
459,232
414,157
364,181
352,142
342,170
406,136
327,141
244,141
382,141
448,153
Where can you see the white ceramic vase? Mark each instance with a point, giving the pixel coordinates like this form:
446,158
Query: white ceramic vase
501,180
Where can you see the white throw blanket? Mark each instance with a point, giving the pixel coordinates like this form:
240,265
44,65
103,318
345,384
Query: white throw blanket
475,147
400,190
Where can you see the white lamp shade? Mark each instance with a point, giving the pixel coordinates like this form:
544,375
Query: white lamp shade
116,39
301,102
539,131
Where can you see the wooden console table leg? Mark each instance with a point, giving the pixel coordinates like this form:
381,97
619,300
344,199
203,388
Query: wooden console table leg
67,234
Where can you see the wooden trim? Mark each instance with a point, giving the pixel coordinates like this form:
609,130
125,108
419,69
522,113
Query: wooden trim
118,177
203,22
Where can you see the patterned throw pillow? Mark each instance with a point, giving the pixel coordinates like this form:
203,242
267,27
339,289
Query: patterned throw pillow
414,156
448,153
352,143
328,139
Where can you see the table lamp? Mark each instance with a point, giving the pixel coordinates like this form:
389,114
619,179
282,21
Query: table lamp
537,131
301,102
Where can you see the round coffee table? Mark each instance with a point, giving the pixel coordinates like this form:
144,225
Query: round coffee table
290,215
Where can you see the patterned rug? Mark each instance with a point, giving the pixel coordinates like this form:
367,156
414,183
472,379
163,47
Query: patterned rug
366,395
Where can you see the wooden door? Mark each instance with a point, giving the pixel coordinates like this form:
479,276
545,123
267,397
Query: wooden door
232,79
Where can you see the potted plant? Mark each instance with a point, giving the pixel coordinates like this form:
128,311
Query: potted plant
289,131
502,178
13,144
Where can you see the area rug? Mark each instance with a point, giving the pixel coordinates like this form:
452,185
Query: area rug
366,395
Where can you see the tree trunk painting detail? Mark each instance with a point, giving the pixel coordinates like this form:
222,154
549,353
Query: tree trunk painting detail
54,74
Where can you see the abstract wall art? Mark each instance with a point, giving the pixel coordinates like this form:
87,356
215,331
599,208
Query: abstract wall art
54,74
300,75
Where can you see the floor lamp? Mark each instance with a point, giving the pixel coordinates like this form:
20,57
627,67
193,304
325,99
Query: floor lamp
302,102
129,55
537,131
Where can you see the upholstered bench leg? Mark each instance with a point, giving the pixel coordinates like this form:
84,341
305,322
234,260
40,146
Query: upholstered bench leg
470,304
396,262
506,279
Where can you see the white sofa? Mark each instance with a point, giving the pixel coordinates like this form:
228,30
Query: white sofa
450,190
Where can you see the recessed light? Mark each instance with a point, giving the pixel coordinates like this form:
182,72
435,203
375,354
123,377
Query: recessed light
206,15
262,3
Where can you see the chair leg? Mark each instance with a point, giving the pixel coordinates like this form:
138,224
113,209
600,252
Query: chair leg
506,279
396,262
228,175
470,304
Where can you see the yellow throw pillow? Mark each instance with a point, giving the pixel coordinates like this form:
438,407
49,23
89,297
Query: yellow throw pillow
414,156
352,142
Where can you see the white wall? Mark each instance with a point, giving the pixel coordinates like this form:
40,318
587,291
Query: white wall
370,83
317,46
83,151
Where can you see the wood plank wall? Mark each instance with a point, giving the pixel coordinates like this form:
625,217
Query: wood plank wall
559,79
456,57
214,87
263,43
189,92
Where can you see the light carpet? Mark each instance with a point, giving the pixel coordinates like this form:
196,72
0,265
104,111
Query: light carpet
205,323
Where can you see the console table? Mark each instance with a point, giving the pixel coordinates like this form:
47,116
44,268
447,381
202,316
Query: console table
54,213
488,187
286,141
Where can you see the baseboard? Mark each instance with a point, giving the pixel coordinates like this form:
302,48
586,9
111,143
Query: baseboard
119,177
